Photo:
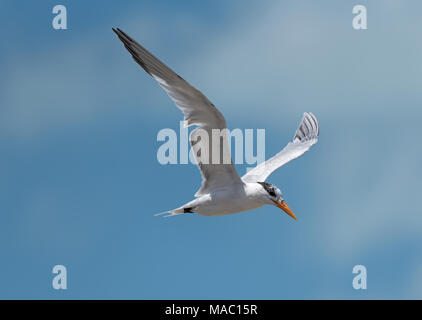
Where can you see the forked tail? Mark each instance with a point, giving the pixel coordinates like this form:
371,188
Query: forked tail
173,212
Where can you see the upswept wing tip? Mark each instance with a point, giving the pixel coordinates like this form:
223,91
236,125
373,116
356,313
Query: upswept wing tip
306,136
308,128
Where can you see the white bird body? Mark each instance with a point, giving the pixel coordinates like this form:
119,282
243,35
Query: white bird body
222,191
242,197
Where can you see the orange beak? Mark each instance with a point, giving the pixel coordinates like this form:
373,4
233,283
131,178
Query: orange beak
283,206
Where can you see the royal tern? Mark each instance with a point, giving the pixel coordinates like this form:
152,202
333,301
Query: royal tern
222,191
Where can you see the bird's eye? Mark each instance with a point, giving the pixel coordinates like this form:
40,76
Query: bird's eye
270,189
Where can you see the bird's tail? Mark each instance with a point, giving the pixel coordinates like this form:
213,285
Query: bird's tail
171,213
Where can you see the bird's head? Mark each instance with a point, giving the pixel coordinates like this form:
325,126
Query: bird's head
272,195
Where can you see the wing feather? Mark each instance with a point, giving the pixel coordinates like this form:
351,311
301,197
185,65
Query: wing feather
305,137
197,110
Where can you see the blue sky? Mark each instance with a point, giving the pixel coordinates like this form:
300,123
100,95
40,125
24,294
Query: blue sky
81,182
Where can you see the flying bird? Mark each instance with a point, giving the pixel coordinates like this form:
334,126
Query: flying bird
222,190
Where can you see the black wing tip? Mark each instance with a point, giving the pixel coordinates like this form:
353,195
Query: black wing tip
122,35
128,43
117,30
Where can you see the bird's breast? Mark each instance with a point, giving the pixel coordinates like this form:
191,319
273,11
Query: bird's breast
227,202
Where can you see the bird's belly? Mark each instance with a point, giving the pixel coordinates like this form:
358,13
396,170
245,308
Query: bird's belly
220,207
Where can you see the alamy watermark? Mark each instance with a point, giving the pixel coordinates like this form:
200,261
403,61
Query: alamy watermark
211,146
359,281
60,280
359,21
60,19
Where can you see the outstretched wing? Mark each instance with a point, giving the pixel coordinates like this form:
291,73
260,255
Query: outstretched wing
305,137
197,110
